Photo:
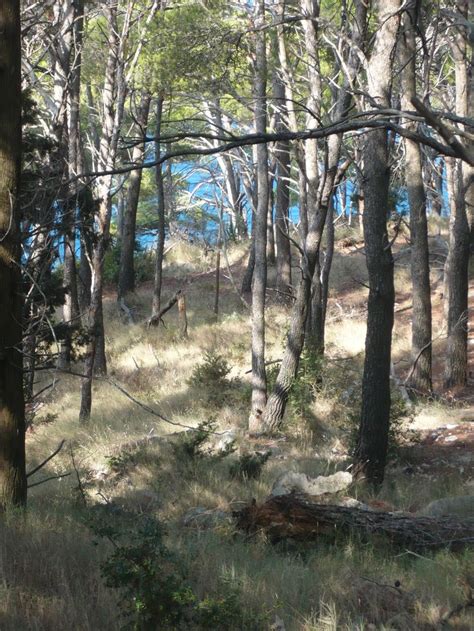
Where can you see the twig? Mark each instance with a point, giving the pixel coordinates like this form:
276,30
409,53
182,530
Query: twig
150,410
273,361
40,392
40,466
52,477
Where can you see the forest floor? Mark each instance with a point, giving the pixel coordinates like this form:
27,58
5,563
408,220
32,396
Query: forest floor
129,461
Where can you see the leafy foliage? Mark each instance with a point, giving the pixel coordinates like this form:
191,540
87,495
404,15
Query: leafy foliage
147,574
211,378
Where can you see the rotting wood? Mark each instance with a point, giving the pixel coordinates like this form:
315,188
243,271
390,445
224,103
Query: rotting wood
297,517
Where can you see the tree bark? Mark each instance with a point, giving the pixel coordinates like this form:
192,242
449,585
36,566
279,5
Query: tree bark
316,215
282,201
371,451
259,284
459,237
420,379
126,280
299,518
161,211
12,408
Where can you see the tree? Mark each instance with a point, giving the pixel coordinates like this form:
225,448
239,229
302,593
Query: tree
371,451
126,282
12,409
420,378
457,265
259,285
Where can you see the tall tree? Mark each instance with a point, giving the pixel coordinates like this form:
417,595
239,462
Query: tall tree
12,407
259,285
457,265
161,212
126,281
371,452
420,378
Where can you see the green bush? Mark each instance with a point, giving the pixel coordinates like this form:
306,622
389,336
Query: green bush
307,383
149,577
249,466
210,378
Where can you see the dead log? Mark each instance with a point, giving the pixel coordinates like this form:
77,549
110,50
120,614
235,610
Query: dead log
297,517
156,319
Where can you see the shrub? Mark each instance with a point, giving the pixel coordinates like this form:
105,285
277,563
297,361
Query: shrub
147,574
308,381
191,446
151,580
249,466
211,378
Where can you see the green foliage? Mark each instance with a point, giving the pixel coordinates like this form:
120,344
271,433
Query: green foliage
211,378
149,577
144,264
191,446
226,611
307,383
249,466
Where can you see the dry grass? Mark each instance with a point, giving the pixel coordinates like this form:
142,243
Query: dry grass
49,569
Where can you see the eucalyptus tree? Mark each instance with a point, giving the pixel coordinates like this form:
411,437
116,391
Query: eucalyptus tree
12,408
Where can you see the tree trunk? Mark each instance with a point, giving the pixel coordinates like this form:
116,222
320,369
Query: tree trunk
420,379
67,65
126,280
259,284
161,210
371,452
12,406
247,279
459,237
271,258
299,518
282,201
316,215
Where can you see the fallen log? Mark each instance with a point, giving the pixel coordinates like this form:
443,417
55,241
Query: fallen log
297,517
156,319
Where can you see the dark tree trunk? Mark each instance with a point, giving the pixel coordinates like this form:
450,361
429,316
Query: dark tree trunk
86,213
457,280
259,284
95,331
371,452
459,235
69,61
247,279
420,378
161,210
126,280
12,406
